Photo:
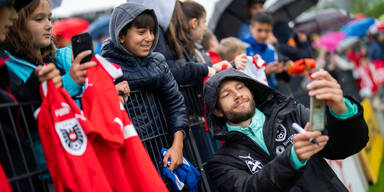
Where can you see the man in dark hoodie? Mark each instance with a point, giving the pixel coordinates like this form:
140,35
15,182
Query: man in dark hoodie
134,33
261,150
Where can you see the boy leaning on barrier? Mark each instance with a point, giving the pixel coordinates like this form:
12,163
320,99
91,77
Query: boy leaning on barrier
134,34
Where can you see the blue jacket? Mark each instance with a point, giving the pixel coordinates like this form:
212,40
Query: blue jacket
263,50
21,72
376,51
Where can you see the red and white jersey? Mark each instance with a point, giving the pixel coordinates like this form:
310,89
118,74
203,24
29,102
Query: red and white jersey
115,140
4,185
70,158
255,68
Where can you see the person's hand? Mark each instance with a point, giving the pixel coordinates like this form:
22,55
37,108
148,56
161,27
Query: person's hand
49,72
219,66
326,88
211,71
124,88
78,71
274,67
305,149
175,153
241,61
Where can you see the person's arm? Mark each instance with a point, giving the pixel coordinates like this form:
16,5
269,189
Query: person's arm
173,102
186,72
231,174
346,136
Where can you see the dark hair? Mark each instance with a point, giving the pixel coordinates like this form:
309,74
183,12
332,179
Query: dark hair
192,10
182,29
144,20
18,40
252,2
262,17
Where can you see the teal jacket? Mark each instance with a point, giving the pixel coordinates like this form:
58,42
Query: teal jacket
21,71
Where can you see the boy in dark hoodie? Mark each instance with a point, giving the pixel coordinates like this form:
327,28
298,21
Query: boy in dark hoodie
134,34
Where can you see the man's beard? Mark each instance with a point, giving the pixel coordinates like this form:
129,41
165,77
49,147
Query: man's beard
238,117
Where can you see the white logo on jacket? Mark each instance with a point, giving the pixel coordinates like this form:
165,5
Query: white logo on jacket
62,111
72,136
253,165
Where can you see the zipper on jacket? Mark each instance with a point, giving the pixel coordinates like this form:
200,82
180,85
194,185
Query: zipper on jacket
267,125
252,142
250,130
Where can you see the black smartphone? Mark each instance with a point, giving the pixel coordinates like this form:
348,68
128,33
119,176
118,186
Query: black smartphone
80,43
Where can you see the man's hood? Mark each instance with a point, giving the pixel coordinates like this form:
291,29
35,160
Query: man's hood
123,15
261,94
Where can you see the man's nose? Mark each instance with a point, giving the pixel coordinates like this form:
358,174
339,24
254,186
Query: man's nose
236,94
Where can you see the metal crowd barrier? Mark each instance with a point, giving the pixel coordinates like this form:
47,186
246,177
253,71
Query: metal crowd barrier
23,161
20,153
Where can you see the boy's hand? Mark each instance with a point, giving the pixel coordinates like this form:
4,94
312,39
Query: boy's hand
305,149
175,153
49,72
78,71
274,67
241,61
124,88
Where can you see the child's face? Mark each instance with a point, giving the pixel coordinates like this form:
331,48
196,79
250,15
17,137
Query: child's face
198,28
39,24
260,31
8,15
138,41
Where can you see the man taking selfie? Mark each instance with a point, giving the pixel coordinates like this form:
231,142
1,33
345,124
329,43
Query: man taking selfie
262,152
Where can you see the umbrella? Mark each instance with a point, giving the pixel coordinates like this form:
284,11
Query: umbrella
67,28
321,21
99,27
163,10
288,10
227,18
358,28
330,40
347,43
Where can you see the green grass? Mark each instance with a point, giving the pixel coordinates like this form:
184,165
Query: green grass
379,186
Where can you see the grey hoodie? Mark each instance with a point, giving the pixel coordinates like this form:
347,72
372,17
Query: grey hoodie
122,16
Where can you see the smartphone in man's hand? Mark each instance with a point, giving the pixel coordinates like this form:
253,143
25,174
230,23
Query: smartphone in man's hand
316,114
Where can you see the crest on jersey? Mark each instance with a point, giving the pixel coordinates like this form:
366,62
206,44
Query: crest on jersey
72,136
253,165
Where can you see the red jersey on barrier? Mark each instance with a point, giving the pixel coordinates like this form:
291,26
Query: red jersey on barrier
70,158
4,185
115,140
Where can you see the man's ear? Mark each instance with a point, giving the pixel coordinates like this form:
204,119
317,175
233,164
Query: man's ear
218,112
193,23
